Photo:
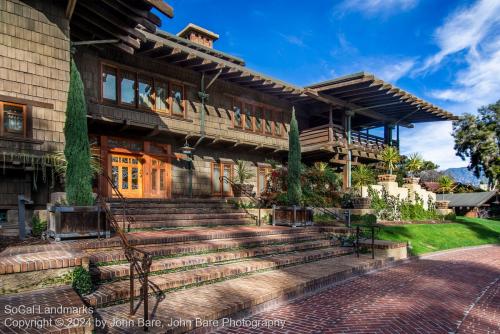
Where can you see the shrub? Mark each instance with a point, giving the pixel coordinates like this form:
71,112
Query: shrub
368,219
81,281
294,163
38,226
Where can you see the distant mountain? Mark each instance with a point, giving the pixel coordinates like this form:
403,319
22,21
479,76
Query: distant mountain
465,176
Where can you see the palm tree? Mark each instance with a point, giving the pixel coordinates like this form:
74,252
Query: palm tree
362,176
446,184
414,163
390,156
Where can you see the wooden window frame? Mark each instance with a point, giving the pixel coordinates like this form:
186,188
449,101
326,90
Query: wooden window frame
266,170
3,132
274,118
252,117
240,126
136,106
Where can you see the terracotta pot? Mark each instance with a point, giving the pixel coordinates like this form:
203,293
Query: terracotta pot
242,190
387,178
411,180
361,202
442,204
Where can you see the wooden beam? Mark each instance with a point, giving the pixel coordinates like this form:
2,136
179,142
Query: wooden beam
162,7
154,132
78,26
344,104
138,11
130,15
70,9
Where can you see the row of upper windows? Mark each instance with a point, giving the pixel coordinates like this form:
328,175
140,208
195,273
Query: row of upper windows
133,89
258,119
137,90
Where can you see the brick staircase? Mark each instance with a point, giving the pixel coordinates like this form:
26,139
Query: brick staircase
180,213
203,242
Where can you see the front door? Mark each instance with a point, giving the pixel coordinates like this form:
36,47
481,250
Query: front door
159,178
126,174
222,186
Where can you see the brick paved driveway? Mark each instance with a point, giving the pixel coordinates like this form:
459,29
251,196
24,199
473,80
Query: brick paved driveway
451,292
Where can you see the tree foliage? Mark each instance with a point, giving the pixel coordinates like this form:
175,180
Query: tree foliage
362,176
390,156
477,138
77,148
294,163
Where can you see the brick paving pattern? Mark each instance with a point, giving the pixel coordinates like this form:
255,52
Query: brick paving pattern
431,295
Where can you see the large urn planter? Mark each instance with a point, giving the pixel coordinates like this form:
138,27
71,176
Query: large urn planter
442,204
76,222
411,180
361,202
242,190
387,178
293,216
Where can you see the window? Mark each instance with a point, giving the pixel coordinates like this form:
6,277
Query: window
13,119
263,179
248,117
127,88
177,95
146,96
258,119
109,83
237,117
161,96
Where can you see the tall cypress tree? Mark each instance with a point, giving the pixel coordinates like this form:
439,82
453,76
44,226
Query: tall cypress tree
77,147
294,163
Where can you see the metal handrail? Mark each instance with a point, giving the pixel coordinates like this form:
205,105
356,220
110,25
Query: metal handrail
358,233
256,200
126,217
140,260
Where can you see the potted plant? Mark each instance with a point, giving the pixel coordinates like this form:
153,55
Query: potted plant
413,165
77,215
446,185
362,176
243,174
390,157
293,214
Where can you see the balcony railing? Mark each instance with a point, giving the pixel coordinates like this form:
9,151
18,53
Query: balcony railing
332,136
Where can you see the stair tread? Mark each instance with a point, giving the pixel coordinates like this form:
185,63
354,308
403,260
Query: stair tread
205,245
120,290
122,270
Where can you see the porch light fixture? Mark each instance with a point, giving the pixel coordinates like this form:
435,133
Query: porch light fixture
186,149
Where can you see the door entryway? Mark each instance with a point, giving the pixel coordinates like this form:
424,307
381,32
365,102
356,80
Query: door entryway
222,187
126,175
160,180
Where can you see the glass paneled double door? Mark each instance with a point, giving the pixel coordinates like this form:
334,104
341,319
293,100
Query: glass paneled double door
126,174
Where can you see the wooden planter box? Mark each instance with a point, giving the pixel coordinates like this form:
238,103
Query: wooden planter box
361,202
242,190
411,180
76,222
387,178
293,216
442,204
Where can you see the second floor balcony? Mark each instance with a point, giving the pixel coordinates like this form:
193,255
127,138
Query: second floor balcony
332,139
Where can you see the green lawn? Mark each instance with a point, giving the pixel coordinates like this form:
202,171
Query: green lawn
425,238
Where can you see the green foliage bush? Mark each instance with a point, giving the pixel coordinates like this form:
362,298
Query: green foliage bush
81,281
77,148
294,163
38,226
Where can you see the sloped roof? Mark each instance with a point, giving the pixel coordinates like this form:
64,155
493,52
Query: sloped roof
466,199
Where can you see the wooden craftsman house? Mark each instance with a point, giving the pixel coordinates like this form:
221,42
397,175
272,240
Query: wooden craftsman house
168,113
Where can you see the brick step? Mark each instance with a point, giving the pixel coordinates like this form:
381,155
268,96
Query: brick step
139,211
42,260
191,223
170,200
120,290
241,297
183,216
191,234
123,270
118,206
170,249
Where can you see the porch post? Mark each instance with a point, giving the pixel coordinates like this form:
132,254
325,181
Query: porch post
348,167
388,134
397,135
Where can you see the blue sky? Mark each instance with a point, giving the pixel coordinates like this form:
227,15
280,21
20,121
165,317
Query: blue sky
447,52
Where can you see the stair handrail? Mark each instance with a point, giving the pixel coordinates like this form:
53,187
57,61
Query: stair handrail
256,200
126,217
140,260
372,228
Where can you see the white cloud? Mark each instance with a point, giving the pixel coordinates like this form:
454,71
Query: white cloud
393,71
465,29
433,141
373,7
471,37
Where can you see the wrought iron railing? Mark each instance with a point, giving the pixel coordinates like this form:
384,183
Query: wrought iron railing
360,234
140,260
251,196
